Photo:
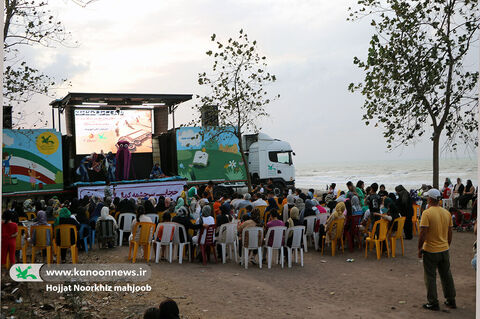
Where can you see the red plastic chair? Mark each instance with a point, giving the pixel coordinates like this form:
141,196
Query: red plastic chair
209,242
352,231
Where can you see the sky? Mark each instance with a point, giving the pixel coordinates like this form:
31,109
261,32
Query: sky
159,47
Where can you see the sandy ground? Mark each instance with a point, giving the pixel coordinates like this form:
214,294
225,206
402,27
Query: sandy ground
325,287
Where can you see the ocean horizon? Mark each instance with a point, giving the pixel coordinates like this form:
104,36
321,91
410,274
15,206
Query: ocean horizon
410,173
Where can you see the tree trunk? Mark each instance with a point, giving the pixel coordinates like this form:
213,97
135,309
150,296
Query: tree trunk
245,163
436,158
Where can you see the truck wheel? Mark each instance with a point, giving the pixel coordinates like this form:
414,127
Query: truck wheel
278,189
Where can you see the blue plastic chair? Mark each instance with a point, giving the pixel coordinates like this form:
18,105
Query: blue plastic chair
84,234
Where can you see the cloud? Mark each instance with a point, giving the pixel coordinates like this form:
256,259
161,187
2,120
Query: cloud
7,139
189,138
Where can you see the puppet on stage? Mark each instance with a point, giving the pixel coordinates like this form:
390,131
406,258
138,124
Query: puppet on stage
124,160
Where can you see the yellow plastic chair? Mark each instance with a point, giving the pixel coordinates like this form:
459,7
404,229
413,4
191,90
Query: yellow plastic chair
382,237
145,240
116,215
415,217
398,235
22,219
39,237
280,211
338,236
31,215
62,235
262,210
241,212
338,193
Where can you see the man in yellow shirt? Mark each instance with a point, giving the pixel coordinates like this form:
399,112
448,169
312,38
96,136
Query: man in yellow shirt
433,244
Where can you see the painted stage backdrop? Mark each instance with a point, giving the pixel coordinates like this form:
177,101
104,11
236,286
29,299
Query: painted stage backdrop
32,160
205,155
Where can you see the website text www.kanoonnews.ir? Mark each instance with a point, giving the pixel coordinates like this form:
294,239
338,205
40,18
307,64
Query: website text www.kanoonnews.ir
85,277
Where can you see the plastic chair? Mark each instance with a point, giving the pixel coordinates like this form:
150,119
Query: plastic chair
310,232
64,240
31,215
298,232
338,236
166,239
209,241
241,212
230,239
106,232
125,221
176,241
145,240
382,227
415,217
21,242
353,231
277,243
154,218
22,219
116,216
255,234
398,235
262,210
42,238
84,228
448,202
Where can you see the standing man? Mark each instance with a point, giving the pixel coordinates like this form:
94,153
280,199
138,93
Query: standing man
433,244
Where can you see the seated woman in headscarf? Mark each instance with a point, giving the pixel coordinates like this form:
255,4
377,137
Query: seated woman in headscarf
391,213
288,207
180,203
223,218
205,220
65,218
41,220
96,214
337,214
356,206
308,211
183,218
105,215
293,219
141,218
160,205
299,203
272,206
149,207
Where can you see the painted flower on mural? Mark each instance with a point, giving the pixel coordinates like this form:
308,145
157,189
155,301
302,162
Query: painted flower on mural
232,164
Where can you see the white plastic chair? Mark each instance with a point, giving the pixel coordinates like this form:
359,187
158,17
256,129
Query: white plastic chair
166,240
277,243
310,232
127,218
298,232
285,213
230,239
253,235
176,241
323,218
154,218
448,202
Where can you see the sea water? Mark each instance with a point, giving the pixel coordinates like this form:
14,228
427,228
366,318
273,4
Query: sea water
410,173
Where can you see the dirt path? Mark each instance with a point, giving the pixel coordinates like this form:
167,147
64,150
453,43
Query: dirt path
366,288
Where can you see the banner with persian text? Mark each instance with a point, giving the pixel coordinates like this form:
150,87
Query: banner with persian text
171,189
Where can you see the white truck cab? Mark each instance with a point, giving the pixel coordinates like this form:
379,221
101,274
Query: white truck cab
270,158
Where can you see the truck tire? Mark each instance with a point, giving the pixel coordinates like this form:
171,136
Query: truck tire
278,189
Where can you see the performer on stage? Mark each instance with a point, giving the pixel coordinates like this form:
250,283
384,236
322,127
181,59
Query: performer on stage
156,172
123,159
110,163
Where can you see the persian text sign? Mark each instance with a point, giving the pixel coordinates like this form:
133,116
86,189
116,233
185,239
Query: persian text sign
171,189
